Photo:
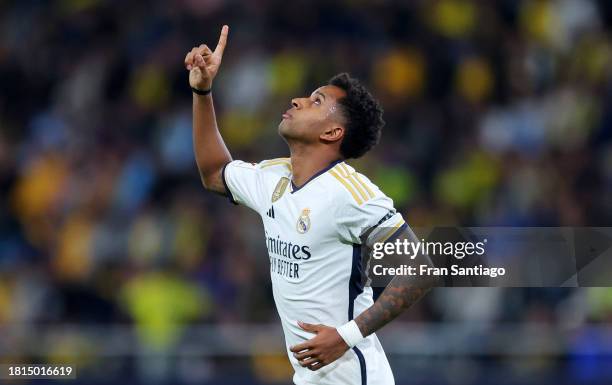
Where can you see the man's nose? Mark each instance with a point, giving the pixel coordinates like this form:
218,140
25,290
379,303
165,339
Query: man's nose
295,103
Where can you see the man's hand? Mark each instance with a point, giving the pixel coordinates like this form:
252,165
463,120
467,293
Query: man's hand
326,347
203,64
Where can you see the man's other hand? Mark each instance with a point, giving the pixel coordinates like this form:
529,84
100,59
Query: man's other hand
323,349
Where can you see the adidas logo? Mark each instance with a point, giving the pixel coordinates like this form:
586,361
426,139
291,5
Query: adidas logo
270,212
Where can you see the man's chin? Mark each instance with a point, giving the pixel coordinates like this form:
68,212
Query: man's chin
283,130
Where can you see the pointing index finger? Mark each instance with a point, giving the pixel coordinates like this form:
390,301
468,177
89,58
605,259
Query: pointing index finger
222,41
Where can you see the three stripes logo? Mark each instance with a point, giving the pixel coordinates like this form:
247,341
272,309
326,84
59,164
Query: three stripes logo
270,212
351,180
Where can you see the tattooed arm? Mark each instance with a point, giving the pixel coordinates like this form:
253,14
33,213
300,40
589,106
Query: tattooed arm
398,296
402,292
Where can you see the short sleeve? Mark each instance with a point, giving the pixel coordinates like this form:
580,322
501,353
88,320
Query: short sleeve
244,183
375,220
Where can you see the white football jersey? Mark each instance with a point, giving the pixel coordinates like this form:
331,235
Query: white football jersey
314,235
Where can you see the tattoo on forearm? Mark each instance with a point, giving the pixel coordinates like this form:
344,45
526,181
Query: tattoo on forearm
401,293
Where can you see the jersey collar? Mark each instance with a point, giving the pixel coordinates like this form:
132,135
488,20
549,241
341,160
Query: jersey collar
295,188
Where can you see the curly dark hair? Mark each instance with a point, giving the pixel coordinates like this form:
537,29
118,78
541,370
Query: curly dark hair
363,116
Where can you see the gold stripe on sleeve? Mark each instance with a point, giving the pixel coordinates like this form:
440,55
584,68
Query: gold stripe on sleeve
341,170
365,185
356,185
347,186
274,162
353,181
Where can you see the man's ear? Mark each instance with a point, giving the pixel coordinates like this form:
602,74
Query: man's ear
332,133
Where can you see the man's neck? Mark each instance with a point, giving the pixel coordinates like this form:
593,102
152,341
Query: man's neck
306,162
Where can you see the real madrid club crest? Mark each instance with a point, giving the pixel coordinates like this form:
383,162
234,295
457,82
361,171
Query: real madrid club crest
303,222
280,188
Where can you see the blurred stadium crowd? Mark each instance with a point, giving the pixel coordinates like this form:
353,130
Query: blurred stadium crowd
498,113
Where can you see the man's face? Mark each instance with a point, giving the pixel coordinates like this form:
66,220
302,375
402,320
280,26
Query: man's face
310,117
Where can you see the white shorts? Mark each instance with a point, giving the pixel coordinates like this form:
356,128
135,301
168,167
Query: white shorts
365,364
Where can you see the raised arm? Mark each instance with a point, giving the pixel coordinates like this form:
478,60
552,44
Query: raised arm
210,151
